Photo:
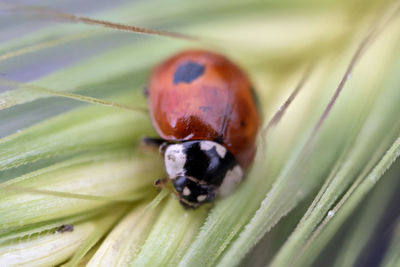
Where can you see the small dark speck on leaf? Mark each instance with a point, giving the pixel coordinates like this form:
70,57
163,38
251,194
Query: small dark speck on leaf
65,228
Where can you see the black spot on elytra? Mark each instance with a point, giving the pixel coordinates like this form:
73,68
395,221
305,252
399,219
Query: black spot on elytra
215,92
188,72
242,123
204,108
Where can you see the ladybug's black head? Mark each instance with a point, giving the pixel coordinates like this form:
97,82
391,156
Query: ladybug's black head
192,192
201,170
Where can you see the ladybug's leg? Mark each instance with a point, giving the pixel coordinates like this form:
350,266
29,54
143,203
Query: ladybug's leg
146,91
219,139
154,143
164,183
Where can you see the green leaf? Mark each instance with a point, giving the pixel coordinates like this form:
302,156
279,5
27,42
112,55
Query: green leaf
347,206
171,235
126,239
363,224
80,130
73,187
52,247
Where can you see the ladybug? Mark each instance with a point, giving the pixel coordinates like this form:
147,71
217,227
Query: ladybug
205,110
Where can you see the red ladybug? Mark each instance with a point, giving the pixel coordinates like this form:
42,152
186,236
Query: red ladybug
205,110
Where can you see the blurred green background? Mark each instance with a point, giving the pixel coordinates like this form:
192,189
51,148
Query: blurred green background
69,154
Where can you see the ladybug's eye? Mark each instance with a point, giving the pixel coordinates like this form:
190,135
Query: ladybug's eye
188,71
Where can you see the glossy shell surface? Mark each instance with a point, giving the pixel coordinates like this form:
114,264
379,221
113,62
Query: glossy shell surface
200,95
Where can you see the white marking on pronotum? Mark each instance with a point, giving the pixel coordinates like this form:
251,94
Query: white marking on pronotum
207,145
186,191
175,160
201,198
232,179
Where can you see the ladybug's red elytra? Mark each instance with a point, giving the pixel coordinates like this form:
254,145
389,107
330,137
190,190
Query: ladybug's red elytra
205,110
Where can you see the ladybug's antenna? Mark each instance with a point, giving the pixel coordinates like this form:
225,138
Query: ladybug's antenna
164,183
56,14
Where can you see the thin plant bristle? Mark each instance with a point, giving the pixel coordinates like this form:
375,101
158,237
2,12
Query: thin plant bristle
56,14
362,47
74,96
43,45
